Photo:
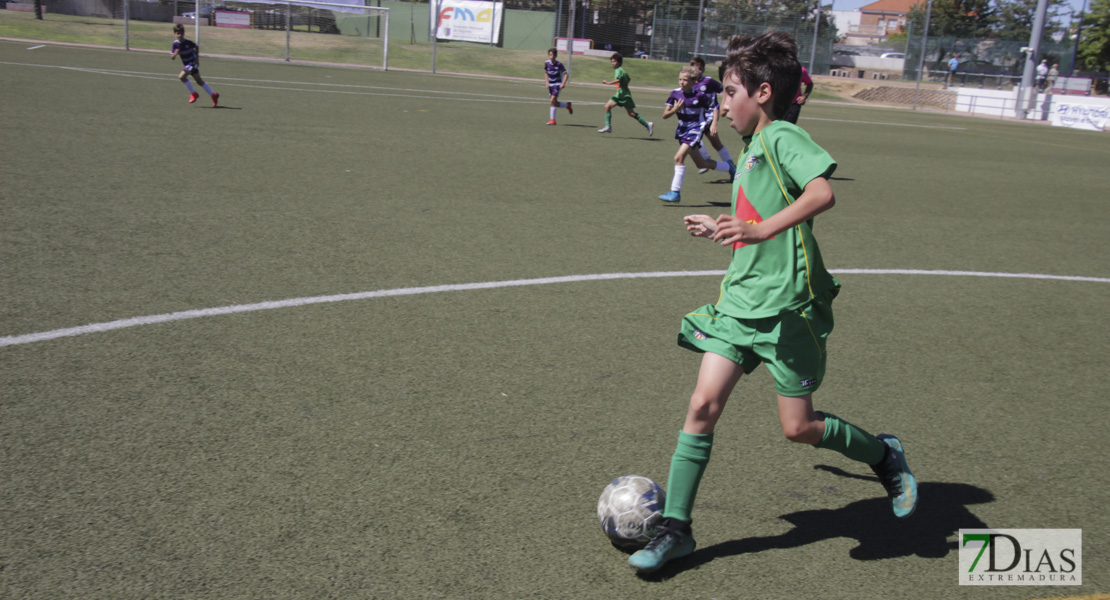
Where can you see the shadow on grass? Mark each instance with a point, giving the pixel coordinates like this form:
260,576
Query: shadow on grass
941,513
706,205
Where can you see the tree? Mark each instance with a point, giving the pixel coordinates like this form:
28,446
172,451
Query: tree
954,18
1094,41
1014,18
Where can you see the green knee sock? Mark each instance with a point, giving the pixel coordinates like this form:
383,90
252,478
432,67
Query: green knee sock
851,441
642,120
687,466
608,119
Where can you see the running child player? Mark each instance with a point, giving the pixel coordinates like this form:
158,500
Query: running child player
190,60
775,305
708,85
693,109
622,98
557,78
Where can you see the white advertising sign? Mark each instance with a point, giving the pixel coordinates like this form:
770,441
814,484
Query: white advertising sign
1080,115
467,20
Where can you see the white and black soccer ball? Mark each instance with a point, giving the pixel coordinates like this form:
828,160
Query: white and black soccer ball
630,509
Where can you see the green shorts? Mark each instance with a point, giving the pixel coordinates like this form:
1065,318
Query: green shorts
791,344
624,101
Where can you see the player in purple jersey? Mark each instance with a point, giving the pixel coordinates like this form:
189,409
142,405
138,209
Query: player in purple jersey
190,59
694,109
708,85
557,78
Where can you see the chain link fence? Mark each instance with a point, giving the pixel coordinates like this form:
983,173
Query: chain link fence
671,31
985,59
682,31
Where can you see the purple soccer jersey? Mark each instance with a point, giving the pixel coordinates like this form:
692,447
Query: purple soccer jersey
554,70
188,52
696,110
710,87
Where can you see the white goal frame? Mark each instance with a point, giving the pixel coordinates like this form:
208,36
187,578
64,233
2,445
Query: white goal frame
369,11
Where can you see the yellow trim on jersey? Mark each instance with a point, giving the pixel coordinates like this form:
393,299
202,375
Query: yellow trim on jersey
782,188
820,350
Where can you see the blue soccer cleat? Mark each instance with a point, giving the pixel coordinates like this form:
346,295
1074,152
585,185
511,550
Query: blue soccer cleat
671,197
894,474
674,540
731,170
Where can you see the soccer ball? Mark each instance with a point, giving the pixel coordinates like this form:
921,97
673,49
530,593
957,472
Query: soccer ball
630,509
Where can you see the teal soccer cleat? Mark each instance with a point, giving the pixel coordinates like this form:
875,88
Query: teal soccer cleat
895,476
674,540
671,197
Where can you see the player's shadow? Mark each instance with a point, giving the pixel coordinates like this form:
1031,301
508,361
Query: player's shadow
706,205
841,179
227,107
941,513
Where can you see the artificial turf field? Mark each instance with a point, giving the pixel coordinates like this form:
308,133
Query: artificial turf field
384,429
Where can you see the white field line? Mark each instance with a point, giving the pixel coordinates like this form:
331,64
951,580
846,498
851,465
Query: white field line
352,89
28,338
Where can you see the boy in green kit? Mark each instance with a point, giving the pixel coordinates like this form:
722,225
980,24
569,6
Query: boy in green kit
623,97
776,298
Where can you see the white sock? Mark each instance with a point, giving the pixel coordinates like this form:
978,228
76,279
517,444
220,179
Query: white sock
563,104
724,154
189,86
207,89
552,113
721,166
703,151
679,174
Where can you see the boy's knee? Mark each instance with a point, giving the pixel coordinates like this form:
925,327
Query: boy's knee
802,432
705,409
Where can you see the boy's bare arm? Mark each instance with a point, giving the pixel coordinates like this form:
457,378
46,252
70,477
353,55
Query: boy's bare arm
672,109
815,199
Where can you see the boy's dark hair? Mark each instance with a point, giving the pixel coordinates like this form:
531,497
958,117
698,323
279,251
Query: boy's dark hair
771,58
179,28
698,61
555,50
618,57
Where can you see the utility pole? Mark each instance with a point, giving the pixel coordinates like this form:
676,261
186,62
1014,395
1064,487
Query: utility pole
1032,53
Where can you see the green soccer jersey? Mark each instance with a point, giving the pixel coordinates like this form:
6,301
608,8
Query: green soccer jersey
622,78
786,271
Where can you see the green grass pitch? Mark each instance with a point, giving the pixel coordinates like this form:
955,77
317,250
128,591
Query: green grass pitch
452,443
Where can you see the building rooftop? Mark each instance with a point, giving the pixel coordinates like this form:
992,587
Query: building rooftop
896,6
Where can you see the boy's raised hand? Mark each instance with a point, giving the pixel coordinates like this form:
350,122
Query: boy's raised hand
700,225
732,229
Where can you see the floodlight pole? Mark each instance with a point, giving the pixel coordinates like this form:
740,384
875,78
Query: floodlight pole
813,50
697,33
924,48
1031,56
570,32
435,32
1075,48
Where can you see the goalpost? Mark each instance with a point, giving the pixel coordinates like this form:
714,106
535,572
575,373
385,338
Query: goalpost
361,32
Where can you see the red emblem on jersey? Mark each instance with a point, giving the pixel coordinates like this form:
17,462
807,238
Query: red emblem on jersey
746,212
